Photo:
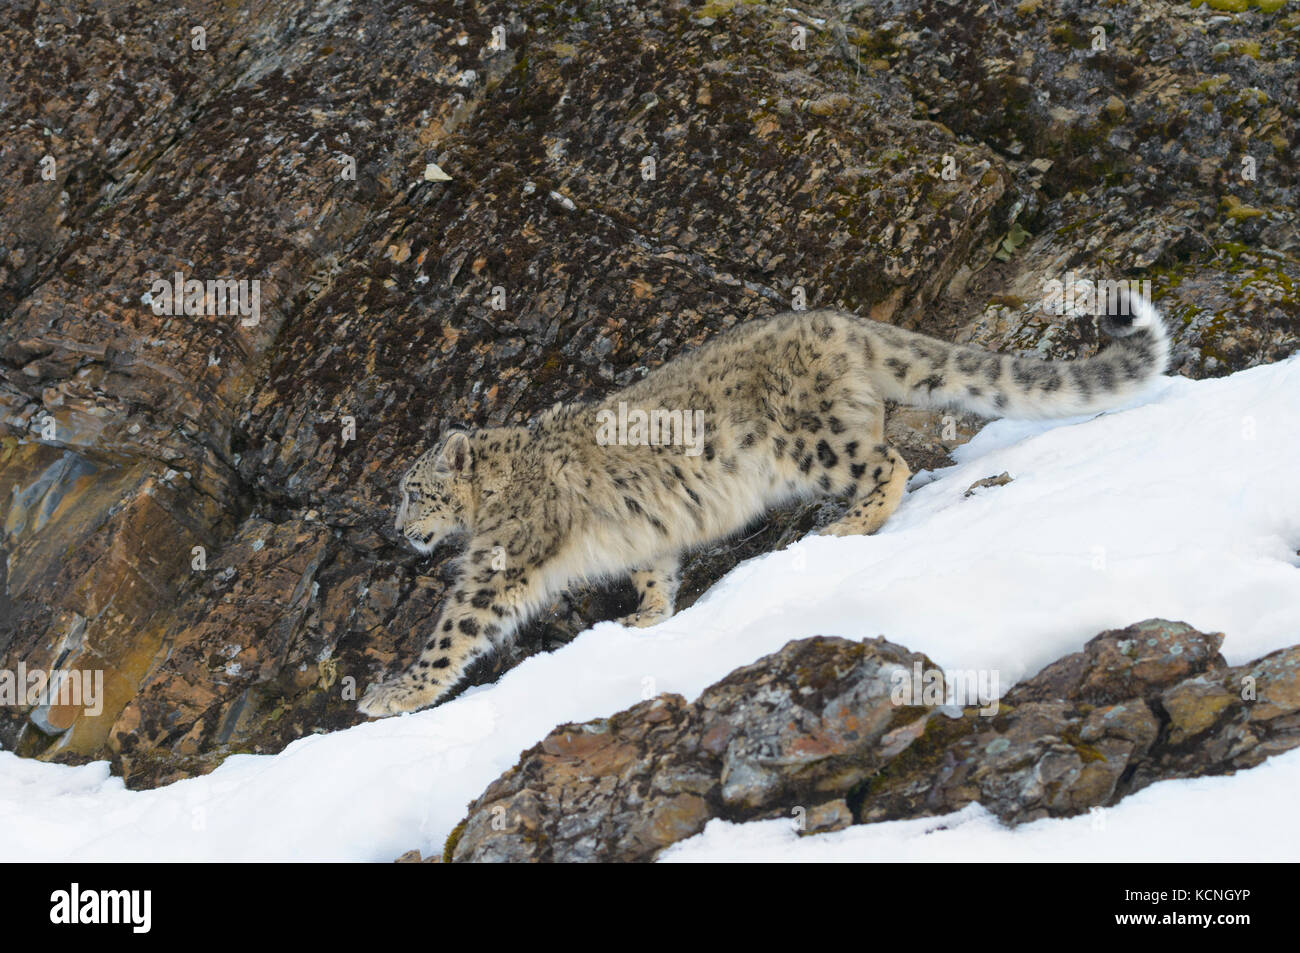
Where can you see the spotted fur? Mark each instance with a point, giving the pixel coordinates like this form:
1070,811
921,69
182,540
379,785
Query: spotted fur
793,408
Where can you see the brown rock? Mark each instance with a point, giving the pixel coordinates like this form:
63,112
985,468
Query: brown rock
1126,663
816,717
830,816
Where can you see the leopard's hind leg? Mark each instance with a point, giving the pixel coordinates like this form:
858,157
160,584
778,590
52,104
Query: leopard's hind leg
884,479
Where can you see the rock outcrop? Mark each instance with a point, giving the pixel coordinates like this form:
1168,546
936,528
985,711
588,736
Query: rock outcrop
829,732
198,505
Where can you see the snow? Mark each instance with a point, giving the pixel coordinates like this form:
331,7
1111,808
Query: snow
1184,505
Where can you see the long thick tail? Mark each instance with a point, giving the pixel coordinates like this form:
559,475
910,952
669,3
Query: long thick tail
924,372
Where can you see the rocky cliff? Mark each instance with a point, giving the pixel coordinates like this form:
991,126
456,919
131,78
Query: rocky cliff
463,213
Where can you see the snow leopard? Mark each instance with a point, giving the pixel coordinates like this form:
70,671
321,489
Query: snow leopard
774,410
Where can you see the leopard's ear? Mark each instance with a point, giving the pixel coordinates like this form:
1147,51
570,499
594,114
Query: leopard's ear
455,454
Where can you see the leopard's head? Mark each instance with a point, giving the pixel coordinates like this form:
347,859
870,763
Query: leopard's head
438,493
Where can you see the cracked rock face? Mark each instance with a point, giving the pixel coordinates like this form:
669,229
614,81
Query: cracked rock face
824,732
199,505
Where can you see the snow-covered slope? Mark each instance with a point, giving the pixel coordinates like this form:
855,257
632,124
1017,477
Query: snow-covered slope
1184,506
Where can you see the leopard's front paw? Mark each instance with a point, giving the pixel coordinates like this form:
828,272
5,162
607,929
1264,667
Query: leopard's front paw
396,695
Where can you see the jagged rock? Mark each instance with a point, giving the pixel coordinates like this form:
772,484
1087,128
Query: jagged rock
797,728
821,731
1137,705
775,170
1231,718
826,817
1124,663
